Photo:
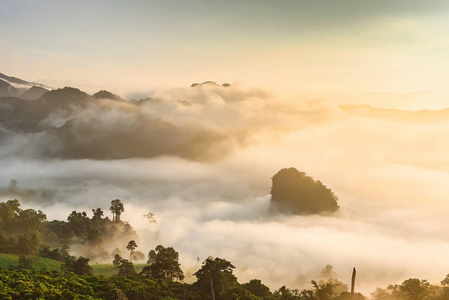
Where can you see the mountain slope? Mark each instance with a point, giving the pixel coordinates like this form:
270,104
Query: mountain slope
16,80
34,93
11,261
7,90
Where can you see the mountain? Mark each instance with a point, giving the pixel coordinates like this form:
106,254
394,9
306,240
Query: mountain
16,80
33,93
107,95
210,84
21,115
7,90
64,97
16,87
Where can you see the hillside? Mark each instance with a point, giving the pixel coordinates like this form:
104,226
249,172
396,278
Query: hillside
8,261
39,263
108,270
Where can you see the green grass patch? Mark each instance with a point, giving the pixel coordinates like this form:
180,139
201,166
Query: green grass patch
12,260
8,261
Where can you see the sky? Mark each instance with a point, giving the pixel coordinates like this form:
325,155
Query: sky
350,47
351,92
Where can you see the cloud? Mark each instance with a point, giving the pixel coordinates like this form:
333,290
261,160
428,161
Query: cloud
389,169
202,123
77,126
397,115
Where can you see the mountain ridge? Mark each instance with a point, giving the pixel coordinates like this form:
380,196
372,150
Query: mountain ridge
11,79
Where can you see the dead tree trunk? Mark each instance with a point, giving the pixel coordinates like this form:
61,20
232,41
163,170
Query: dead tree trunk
212,289
353,284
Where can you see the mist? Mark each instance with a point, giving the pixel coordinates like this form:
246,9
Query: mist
201,159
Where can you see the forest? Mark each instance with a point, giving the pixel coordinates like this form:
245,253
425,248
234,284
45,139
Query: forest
28,234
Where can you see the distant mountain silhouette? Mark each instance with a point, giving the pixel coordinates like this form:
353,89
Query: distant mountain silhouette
26,116
33,93
210,83
65,97
20,81
7,90
70,124
107,95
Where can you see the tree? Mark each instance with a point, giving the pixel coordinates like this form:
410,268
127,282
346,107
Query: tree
78,266
414,289
4,245
12,187
95,238
150,217
166,264
381,294
117,261
151,257
9,214
30,220
256,287
126,268
116,251
132,245
219,272
445,281
27,244
325,290
348,296
328,272
137,255
116,209
81,267
97,214
285,293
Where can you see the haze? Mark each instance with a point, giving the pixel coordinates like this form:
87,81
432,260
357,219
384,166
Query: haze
351,92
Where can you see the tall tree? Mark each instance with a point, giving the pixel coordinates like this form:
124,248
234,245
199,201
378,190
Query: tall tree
166,264
150,217
151,257
256,287
81,266
126,268
116,209
219,272
415,289
117,261
98,213
132,245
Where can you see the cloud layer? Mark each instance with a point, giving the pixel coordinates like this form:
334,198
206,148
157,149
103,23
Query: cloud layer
209,155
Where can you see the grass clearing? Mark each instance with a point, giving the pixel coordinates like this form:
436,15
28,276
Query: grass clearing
8,261
12,260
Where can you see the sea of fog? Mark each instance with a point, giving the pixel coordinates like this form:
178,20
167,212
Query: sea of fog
388,167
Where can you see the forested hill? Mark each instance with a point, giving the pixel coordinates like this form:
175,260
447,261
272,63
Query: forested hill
40,265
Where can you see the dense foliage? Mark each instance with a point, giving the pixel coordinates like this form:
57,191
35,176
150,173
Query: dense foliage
164,265
414,289
20,230
32,284
27,231
295,192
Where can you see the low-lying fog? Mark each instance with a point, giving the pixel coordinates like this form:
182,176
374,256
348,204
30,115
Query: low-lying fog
208,181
